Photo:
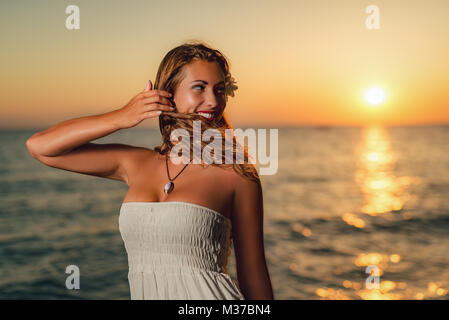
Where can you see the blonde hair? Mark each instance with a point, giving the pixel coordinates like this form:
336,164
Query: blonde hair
169,76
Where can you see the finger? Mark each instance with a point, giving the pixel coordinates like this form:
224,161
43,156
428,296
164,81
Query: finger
156,106
148,87
158,99
152,114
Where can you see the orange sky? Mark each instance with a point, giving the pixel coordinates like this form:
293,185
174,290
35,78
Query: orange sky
295,62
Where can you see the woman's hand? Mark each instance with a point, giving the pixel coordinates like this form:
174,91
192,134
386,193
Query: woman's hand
147,104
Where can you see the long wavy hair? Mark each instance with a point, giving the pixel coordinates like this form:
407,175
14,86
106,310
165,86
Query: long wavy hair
169,76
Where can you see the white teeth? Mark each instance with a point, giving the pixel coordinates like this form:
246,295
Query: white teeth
206,115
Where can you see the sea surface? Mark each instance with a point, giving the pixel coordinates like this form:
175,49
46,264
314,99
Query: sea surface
352,213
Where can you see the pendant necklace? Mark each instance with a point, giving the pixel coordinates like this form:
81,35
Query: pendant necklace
169,186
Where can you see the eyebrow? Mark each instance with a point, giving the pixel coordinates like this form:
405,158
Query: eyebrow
205,82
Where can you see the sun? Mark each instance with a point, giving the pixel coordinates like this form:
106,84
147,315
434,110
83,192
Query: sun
374,96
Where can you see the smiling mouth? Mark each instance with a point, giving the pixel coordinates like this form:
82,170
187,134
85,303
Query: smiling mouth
207,115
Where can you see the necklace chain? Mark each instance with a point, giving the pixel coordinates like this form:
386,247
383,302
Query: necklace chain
168,174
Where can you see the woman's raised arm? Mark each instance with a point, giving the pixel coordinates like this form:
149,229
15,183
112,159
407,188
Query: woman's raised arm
67,145
66,136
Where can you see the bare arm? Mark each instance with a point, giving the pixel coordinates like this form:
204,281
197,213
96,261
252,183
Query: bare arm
68,135
66,145
247,225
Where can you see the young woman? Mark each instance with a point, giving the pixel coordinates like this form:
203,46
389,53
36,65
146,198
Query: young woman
177,219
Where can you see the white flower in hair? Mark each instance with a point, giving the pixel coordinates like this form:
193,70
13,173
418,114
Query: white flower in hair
230,86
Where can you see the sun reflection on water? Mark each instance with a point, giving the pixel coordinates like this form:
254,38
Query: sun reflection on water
385,197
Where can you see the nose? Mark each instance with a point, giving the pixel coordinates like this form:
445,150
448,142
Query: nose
211,100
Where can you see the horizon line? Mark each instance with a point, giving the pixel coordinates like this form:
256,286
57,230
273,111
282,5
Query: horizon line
273,126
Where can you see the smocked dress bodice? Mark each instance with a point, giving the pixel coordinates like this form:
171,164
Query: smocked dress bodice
177,250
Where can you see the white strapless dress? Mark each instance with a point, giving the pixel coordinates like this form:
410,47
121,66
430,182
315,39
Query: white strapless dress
177,251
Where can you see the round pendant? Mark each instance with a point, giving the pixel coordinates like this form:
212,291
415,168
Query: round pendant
169,187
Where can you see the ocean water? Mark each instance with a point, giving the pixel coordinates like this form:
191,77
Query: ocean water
343,201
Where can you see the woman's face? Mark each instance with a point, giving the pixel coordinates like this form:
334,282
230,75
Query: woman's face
202,90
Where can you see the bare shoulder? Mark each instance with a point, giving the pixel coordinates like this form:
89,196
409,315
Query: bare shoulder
131,156
243,186
136,151
129,152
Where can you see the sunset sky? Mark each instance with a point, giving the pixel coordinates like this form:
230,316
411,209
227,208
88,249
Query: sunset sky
295,62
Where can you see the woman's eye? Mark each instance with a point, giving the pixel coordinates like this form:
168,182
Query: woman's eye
220,90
